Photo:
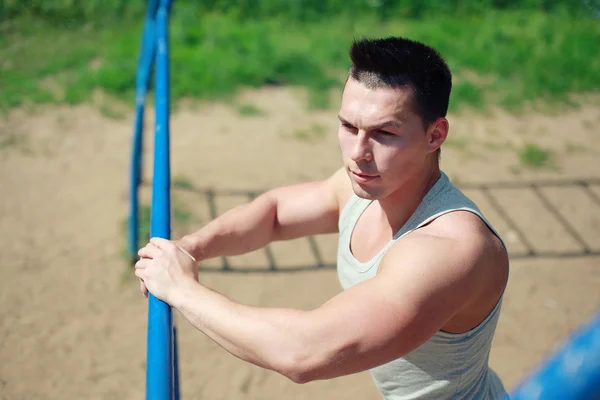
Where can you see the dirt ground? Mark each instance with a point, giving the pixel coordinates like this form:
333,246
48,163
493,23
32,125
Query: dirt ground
72,321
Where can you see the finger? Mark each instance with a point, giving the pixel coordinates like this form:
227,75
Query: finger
139,273
161,243
143,288
149,251
143,263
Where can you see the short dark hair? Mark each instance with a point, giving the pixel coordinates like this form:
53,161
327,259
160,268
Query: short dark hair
401,62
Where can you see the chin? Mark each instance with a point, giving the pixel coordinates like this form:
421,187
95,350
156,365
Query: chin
367,193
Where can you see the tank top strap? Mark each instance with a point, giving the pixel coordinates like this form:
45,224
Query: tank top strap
424,210
444,197
351,212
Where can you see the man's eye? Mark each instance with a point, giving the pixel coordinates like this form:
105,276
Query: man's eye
349,127
386,133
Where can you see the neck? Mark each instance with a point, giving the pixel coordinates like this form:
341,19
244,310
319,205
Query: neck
400,205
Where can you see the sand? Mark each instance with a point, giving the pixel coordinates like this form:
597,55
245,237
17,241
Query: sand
72,320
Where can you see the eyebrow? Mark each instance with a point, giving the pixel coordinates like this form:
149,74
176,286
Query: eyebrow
374,127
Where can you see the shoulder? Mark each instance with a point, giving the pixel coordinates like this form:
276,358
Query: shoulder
341,187
456,250
470,233
462,230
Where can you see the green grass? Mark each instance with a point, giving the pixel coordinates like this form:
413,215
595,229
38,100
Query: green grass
534,156
110,112
507,58
516,169
11,141
8,141
72,12
248,110
182,182
313,134
181,216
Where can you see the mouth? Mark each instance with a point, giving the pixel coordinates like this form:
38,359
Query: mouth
360,177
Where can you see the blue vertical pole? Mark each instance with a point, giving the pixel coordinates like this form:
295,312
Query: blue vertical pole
175,365
144,68
160,344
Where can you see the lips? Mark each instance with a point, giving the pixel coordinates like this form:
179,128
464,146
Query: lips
364,175
362,178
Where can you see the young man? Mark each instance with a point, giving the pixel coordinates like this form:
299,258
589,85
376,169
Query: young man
423,271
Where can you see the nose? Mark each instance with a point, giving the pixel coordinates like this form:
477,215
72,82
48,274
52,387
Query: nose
361,148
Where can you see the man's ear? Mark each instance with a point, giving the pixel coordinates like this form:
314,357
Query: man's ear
437,134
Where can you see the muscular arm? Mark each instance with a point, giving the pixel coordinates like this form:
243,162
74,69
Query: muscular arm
423,281
280,214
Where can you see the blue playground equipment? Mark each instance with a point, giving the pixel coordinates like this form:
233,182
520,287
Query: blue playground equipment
572,372
162,377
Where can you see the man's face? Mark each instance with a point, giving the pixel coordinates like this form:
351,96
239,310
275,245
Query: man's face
383,142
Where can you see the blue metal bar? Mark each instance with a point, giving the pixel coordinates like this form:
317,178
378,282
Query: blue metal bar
571,372
160,345
143,73
175,364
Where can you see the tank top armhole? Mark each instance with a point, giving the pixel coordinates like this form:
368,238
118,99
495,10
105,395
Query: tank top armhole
476,329
469,209
346,211
495,309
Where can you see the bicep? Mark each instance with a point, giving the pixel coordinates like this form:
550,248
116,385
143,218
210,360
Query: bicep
388,316
307,209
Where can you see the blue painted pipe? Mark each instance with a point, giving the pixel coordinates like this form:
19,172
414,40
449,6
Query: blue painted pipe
144,68
175,365
572,372
160,371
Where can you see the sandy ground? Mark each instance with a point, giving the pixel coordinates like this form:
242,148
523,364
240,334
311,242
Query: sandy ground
73,324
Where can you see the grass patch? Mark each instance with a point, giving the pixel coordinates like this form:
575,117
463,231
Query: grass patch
319,98
8,141
181,216
467,94
12,141
249,110
182,182
534,156
109,112
516,169
313,134
513,58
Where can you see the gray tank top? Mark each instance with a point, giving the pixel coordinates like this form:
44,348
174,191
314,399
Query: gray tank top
447,366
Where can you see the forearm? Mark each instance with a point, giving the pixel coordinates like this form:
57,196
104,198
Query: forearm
240,230
275,339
